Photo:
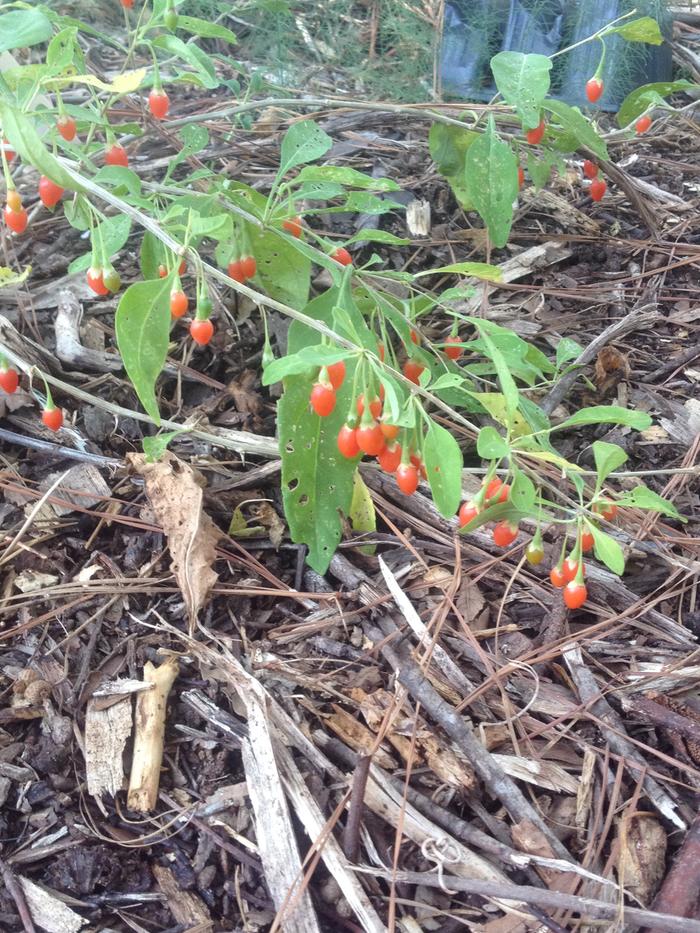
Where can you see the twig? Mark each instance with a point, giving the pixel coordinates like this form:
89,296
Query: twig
495,779
351,835
587,907
57,450
615,734
14,890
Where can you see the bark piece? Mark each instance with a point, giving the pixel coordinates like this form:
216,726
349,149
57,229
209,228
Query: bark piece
185,906
174,490
48,911
150,733
106,734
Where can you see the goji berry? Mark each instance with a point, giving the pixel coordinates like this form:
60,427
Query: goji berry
535,136
497,488
521,176
249,267
235,271
452,348
390,431
534,554
13,199
370,439
201,331
608,510
594,89
642,124
336,374
380,351
116,155
342,256
467,513
375,406
322,399
587,541
505,533
16,220
347,442
570,569
178,303
112,280
66,127
575,594
158,104
127,4
590,169
9,380
49,192
412,371
10,153
52,418
598,189
96,281
407,478
556,575
390,458
293,225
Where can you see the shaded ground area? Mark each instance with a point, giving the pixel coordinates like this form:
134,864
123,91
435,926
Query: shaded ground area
439,714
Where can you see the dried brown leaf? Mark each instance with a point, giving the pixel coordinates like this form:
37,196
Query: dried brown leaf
611,368
642,858
174,490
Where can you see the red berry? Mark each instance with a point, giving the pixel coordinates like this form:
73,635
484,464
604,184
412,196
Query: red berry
575,594
336,374
569,569
183,267
116,155
293,225
96,281
347,442
235,271
322,399
127,4
556,575
521,176
162,271
535,136
389,458
407,478
342,256
16,220
643,124
9,380
66,127
390,431
49,192
452,351
249,267
370,439
587,541
9,151
594,89
52,418
590,169
201,331
534,554
178,303
467,513
608,510
13,199
380,351
504,534
412,371
159,104
497,488
375,406
419,465
414,337
598,189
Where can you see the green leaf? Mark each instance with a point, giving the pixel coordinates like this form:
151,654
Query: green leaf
117,176
312,191
142,325
192,56
567,349
476,270
205,29
303,142
448,149
363,516
377,236
641,98
306,359
606,414
443,464
523,81
539,168
317,482
283,269
607,550
644,29
365,203
345,176
608,457
490,445
492,182
574,123
115,232
154,447
19,130
448,381
643,498
522,492
22,28
508,386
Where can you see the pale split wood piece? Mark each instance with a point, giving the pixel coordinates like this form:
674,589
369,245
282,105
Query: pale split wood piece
47,911
187,907
106,734
149,735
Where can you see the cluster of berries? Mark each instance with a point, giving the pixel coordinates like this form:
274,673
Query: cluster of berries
9,380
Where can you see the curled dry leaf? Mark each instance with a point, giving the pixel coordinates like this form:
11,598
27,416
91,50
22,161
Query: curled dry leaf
174,491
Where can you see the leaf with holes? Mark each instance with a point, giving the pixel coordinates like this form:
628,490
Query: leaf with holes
523,81
283,270
142,324
303,142
443,464
492,182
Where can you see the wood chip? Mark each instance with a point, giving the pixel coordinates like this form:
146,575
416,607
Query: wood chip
48,911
